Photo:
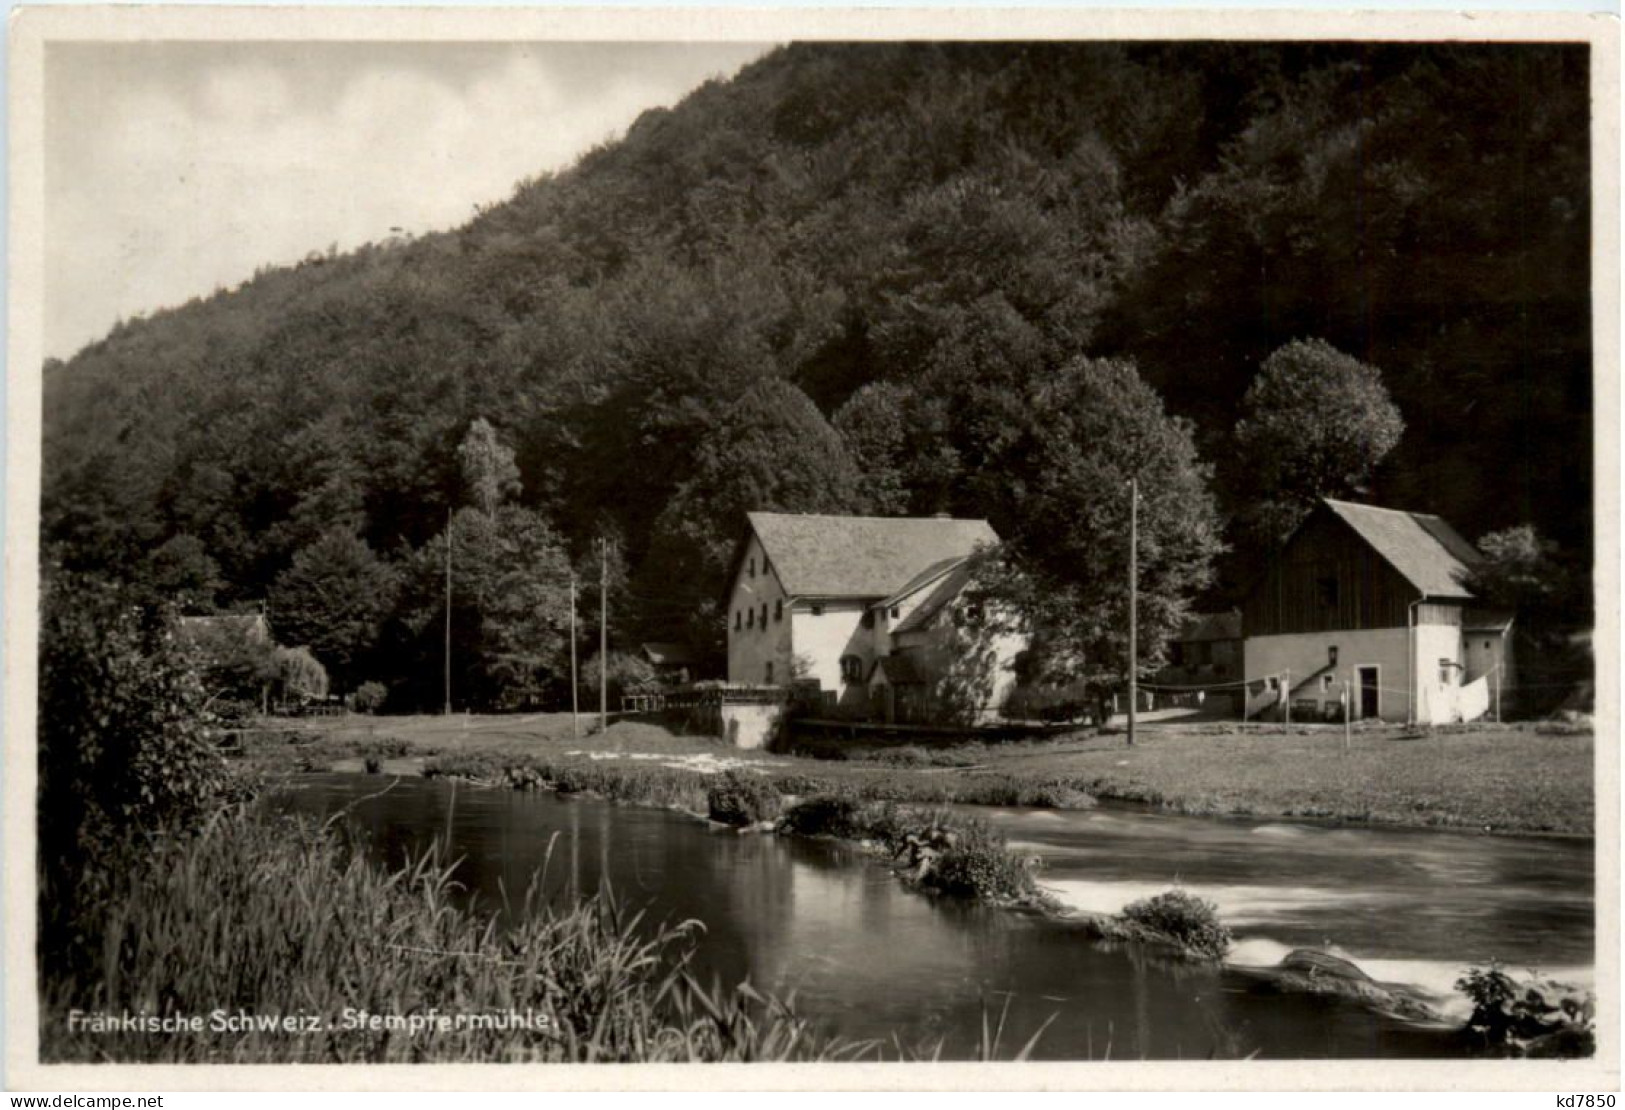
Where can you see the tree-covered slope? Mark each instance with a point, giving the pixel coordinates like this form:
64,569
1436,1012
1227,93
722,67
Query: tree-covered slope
928,216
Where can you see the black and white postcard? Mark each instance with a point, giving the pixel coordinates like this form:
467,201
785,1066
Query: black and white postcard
1034,546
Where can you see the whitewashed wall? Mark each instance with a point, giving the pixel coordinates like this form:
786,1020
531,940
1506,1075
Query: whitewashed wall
822,639
754,646
1304,653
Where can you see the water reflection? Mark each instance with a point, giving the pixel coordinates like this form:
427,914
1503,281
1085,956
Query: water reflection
872,959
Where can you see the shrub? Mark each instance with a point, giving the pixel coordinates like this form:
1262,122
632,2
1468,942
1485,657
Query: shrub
1055,795
123,741
479,766
369,697
300,675
906,756
628,674
124,752
824,815
1513,1017
835,750
374,765
233,710
1183,919
740,799
974,862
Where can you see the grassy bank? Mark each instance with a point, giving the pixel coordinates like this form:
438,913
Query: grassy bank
1512,779
276,918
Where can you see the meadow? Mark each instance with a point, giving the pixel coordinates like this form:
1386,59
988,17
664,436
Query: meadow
1513,778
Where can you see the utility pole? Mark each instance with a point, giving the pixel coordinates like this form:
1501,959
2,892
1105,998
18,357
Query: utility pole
575,688
1133,603
448,612
603,635
1348,718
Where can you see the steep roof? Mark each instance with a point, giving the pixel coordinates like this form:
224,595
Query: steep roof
866,557
250,627
944,592
1431,555
924,578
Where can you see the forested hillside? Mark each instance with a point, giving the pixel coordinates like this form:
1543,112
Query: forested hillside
838,282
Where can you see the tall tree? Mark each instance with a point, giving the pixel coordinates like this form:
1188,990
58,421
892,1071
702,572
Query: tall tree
1315,423
333,599
1525,574
772,450
874,426
1062,571
489,472
510,610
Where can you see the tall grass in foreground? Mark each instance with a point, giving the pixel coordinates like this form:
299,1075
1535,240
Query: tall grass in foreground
276,916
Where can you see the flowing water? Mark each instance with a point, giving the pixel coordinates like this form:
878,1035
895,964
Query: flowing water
869,958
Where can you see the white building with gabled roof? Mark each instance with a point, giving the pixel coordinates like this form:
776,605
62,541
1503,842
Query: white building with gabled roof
861,606
1374,607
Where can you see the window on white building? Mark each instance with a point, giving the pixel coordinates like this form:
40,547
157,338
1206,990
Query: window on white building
851,668
778,609
770,672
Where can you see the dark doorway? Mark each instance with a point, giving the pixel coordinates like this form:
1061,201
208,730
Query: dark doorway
1370,694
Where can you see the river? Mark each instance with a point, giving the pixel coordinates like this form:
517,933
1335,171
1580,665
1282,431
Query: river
869,958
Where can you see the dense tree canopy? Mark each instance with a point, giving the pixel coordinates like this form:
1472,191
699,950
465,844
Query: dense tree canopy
884,277
333,599
1076,438
1315,423
772,451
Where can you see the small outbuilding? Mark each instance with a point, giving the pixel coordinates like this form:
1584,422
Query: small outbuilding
1371,608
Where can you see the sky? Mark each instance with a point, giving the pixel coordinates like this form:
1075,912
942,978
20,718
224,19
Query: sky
176,168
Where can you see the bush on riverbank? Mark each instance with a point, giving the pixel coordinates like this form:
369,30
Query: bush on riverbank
277,916
473,766
1535,1018
966,858
1179,918
740,799
669,787
826,815
947,852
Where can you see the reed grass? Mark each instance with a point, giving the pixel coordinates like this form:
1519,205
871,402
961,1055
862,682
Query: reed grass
280,916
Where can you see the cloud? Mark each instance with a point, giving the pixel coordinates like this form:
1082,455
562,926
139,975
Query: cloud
167,182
